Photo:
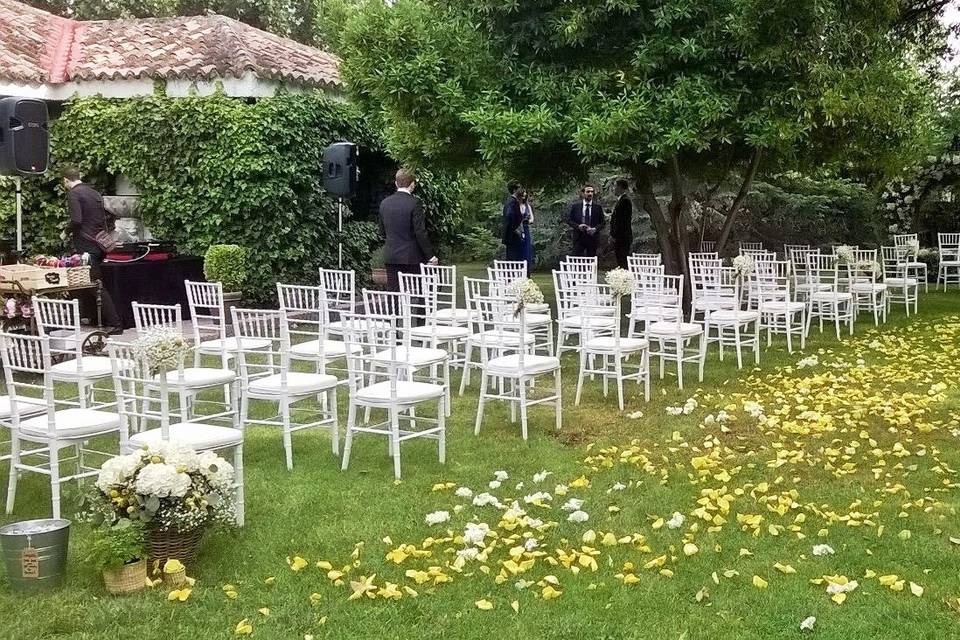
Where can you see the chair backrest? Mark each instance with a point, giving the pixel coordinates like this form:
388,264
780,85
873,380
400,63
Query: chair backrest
823,270
652,259
704,271
253,326
566,289
894,260
708,246
601,303
759,254
865,269
207,315
63,317
504,326
586,267
305,313
148,316
507,270
474,288
703,255
132,384
798,260
373,350
340,289
25,358
751,246
949,246
789,248
446,276
422,292
770,280
668,295
639,267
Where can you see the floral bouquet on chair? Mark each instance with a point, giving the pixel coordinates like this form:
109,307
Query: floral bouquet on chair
171,489
162,348
845,254
620,282
525,291
743,266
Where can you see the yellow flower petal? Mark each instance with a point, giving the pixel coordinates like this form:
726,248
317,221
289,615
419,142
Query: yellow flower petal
483,605
243,628
298,563
916,589
759,582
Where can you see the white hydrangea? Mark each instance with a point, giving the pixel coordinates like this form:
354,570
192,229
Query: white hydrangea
215,469
117,470
845,254
179,456
620,282
162,480
743,266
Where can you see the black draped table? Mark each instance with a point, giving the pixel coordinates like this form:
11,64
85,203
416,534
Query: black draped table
150,282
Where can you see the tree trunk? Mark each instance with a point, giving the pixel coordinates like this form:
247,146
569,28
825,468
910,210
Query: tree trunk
669,249
738,201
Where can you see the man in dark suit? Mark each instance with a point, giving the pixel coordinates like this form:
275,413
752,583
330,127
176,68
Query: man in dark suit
586,219
512,236
621,223
404,226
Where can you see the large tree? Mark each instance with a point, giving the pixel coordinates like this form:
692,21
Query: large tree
685,93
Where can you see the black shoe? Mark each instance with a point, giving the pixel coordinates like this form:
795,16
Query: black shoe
114,331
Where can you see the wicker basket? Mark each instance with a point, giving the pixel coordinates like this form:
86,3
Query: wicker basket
170,545
77,276
176,579
128,579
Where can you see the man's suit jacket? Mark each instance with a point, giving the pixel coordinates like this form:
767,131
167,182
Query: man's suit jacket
594,219
512,219
621,222
404,226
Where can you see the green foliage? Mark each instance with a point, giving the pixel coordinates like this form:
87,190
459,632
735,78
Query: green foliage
478,244
227,264
112,546
214,169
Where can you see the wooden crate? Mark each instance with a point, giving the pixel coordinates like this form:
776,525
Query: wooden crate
33,277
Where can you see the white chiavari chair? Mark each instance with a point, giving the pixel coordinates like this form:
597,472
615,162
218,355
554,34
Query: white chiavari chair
736,327
512,367
340,293
750,246
708,246
209,321
645,259
27,369
798,269
265,374
447,311
539,319
670,337
705,273
779,312
380,379
134,384
150,316
948,246
826,300
59,320
915,267
612,350
645,303
902,288
571,297
869,294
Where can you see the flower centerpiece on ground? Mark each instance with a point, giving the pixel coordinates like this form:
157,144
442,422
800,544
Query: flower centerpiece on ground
175,492
525,291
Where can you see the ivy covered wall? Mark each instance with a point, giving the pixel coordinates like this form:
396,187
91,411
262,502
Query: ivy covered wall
219,169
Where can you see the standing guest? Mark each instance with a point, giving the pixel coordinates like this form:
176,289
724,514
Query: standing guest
87,219
586,219
526,216
404,226
621,223
512,236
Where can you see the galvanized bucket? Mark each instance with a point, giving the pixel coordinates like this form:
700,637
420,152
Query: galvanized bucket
35,553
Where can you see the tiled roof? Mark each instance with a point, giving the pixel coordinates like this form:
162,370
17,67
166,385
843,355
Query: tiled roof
36,46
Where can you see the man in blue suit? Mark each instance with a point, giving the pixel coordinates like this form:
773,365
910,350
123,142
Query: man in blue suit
512,237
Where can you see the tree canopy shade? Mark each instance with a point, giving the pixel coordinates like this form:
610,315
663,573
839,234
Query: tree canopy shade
682,91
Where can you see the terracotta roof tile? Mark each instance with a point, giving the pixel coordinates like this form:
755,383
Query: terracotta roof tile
36,46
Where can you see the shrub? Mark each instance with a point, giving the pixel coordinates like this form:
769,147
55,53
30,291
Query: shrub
113,546
227,264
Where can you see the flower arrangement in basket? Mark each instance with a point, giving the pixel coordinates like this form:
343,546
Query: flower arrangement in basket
620,282
525,291
175,492
743,266
161,348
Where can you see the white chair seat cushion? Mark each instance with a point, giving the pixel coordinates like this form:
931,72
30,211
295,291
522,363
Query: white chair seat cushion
532,364
730,315
408,392
416,356
73,423
452,315
310,350
233,344
950,263
537,319
901,282
867,287
93,367
440,331
495,338
916,265
201,376
660,329
783,307
590,310
653,311
830,296
538,307
587,322
607,343
298,383
196,435
26,406
359,324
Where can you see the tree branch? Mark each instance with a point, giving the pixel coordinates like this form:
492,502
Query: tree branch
738,201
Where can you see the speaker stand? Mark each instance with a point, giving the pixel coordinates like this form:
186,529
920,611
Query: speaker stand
19,214
339,233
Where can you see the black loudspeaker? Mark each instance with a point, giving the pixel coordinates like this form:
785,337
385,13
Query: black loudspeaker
24,137
340,169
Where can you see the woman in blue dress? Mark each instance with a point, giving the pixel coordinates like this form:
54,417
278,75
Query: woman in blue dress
526,216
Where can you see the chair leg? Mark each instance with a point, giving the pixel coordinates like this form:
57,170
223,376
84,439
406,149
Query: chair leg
465,376
395,439
348,441
736,342
679,355
583,366
645,363
55,477
483,399
558,406
522,391
448,398
287,439
334,420
618,367
703,355
12,478
442,436
238,474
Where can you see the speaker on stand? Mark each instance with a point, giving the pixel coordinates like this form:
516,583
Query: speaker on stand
24,145
340,175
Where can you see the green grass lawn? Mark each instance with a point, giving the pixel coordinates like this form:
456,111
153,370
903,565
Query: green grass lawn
850,452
